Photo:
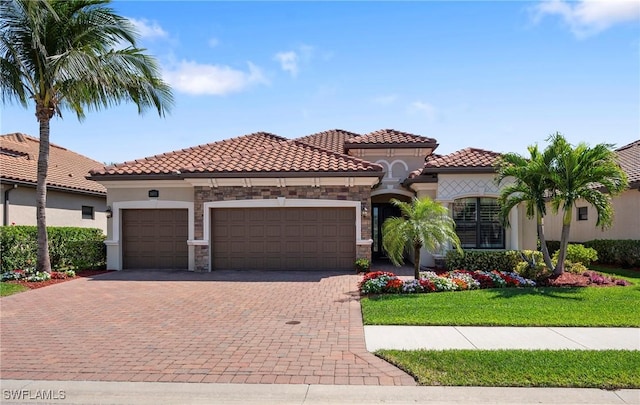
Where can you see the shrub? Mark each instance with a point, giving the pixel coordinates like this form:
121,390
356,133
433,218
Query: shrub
577,253
362,265
79,248
504,260
533,266
575,268
621,252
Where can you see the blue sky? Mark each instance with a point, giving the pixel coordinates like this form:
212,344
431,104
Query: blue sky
496,75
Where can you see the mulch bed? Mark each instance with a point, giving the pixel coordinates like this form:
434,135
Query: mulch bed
586,279
32,285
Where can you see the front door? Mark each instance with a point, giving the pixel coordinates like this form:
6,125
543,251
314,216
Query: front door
381,211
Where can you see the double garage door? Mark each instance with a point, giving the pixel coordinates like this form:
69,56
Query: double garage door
283,238
243,238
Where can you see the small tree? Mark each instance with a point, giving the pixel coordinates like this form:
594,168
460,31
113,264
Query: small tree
529,187
583,173
424,223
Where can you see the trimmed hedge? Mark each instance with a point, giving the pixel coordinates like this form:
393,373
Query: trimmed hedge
483,260
619,252
69,247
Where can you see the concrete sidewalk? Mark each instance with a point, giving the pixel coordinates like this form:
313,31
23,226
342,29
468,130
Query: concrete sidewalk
143,393
493,338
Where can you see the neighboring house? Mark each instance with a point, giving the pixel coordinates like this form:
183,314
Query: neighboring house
626,223
261,201
72,199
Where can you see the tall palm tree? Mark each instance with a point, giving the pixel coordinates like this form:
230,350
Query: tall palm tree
77,55
530,187
424,223
583,173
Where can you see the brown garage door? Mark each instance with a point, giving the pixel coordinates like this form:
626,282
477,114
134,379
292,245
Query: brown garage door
155,239
283,238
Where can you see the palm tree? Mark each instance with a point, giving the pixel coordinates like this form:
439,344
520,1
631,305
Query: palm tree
424,223
529,187
561,175
583,173
77,55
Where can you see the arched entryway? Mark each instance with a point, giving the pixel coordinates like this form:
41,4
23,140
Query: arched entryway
381,209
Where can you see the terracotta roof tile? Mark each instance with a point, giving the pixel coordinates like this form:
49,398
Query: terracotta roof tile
390,137
256,153
629,159
468,158
332,140
169,163
67,169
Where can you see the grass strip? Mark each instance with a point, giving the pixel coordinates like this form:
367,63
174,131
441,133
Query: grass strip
540,306
9,289
606,369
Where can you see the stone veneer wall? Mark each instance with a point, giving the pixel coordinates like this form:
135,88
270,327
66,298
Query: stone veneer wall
207,194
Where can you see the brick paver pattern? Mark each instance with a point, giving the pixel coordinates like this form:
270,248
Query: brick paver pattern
219,327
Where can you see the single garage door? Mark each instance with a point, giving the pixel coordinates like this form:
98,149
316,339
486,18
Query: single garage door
155,239
283,238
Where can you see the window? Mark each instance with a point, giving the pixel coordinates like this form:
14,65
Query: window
478,223
87,212
583,214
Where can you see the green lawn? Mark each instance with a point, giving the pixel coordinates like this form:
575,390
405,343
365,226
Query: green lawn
541,306
609,369
8,289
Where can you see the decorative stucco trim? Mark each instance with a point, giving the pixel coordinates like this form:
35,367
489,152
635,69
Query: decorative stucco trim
400,191
114,255
347,181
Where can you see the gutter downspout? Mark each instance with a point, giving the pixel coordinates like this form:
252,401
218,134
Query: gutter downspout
5,217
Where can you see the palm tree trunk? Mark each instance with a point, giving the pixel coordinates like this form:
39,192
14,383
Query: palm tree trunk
416,261
543,243
564,241
43,262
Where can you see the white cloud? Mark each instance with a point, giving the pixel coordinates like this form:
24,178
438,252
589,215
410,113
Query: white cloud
427,109
589,17
201,79
148,29
288,62
213,42
385,99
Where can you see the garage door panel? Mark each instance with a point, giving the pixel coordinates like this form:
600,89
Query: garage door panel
283,238
155,239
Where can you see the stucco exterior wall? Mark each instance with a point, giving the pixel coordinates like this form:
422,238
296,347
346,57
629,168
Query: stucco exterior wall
626,222
204,195
63,209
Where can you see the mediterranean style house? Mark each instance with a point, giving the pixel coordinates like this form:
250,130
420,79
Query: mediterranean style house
72,199
261,201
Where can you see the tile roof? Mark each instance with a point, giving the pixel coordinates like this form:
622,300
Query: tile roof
67,169
332,140
258,153
629,159
390,137
468,158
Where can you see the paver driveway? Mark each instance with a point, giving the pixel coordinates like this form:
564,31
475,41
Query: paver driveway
239,327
